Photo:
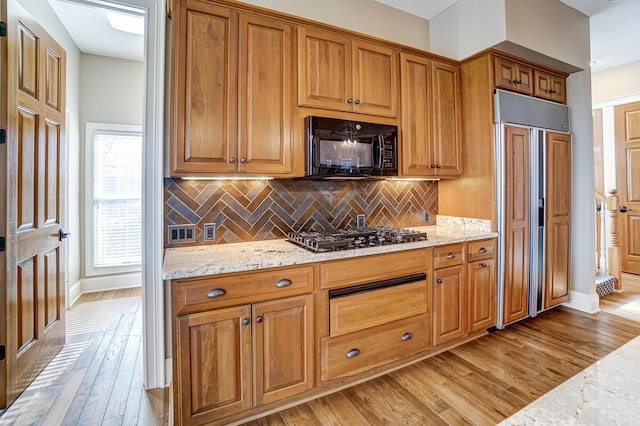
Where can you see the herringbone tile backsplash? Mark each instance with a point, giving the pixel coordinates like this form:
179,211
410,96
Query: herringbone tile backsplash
263,210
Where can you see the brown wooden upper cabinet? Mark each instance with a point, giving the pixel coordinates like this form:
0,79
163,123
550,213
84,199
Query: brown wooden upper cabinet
431,129
340,73
528,80
549,86
514,76
232,93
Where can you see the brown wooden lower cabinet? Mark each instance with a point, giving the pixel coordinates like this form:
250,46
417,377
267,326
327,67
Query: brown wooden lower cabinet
243,342
464,294
481,291
227,355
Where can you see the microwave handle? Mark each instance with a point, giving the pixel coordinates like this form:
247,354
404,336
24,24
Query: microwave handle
380,150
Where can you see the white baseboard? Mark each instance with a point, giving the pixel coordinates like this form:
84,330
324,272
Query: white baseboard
75,290
111,282
589,303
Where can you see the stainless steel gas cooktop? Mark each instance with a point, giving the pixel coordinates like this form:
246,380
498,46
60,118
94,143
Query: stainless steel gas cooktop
354,238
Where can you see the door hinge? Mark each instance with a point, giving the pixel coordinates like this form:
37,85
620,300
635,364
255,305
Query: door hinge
2,244
3,136
3,29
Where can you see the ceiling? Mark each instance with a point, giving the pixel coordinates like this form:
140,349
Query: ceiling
615,34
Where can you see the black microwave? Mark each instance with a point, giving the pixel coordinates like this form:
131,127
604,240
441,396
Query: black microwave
349,149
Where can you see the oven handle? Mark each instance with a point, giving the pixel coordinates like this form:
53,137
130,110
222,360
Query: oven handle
376,285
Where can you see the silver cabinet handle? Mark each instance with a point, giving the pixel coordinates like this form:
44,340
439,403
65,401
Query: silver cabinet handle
357,101
451,256
216,292
439,281
484,265
406,336
482,250
349,101
245,321
352,353
232,159
259,319
243,160
285,282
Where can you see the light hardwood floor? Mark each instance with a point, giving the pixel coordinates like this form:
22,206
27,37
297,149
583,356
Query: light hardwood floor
97,378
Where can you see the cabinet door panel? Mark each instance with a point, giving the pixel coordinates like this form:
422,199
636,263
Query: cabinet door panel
214,371
558,220
265,95
283,348
446,139
482,294
416,115
204,90
449,304
516,265
375,79
324,69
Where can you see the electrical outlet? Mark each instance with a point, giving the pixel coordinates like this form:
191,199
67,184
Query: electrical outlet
425,217
360,221
182,233
209,233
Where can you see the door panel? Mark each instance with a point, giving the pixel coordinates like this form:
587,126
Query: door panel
266,57
36,164
375,79
445,142
558,219
516,211
627,134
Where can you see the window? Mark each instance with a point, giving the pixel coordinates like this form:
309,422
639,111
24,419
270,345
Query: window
114,192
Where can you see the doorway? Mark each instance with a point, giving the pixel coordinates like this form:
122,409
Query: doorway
153,53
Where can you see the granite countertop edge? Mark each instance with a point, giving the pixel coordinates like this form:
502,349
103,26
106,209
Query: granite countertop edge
215,259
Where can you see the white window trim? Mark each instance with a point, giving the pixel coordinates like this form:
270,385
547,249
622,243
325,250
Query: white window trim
89,269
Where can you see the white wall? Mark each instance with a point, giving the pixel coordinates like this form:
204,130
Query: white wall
468,27
46,17
111,91
551,28
364,16
616,83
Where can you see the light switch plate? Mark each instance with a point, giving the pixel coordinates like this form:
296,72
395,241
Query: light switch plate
181,233
425,217
209,232
360,221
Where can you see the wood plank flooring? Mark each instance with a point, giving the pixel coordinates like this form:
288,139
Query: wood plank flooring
484,381
97,378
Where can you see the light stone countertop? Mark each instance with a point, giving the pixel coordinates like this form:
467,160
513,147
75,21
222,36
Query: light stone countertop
196,261
606,393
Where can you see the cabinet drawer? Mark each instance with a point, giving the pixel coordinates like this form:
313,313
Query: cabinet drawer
194,295
365,269
484,249
450,255
363,310
356,352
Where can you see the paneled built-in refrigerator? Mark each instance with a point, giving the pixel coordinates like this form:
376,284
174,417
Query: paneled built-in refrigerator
533,190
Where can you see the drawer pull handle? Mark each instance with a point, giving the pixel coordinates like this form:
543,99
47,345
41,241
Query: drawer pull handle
245,321
451,256
353,353
484,265
216,292
439,281
285,282
482,250
406,337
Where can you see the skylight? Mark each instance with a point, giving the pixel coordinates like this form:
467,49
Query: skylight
127,23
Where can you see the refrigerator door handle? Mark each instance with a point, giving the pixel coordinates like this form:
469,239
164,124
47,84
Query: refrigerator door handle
541,212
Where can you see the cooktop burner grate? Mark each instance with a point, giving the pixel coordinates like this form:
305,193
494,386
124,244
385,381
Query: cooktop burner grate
353,238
